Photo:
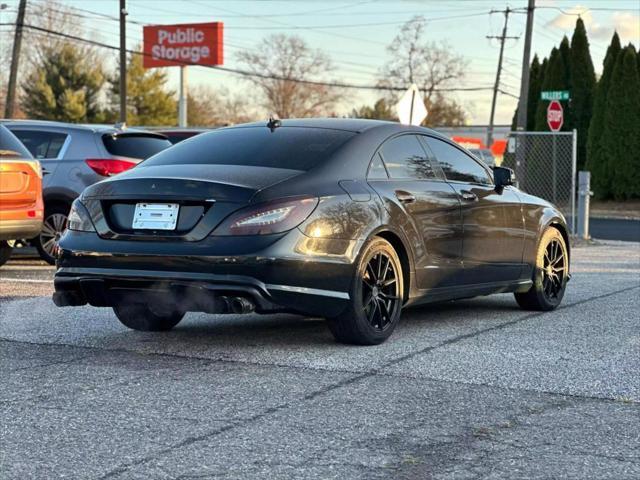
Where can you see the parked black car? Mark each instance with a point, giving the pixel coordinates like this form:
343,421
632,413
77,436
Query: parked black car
345,219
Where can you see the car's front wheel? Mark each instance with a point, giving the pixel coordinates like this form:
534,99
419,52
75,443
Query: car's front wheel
550,276
138,316
376,297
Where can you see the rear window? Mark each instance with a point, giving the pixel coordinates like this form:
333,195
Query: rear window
10,147
294,148
134,146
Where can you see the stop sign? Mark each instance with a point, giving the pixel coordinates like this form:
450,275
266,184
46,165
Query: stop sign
555,116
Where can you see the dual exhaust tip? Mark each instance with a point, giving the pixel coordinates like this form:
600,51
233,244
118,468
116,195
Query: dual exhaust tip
237,305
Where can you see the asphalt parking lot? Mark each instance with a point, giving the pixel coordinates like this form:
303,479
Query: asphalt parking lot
469,389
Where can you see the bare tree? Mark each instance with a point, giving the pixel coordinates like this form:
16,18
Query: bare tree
208,107
432,66
50,15
287,59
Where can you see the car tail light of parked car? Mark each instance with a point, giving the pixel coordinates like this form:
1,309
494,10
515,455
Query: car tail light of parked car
108,167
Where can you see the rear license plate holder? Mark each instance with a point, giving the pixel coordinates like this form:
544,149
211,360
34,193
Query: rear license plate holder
155,216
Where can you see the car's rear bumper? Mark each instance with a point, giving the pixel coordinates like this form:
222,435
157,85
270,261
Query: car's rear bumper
202,277
16,229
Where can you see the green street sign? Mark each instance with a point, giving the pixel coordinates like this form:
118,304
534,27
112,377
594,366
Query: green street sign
555,95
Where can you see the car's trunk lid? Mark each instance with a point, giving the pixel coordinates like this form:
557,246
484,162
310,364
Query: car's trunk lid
205,195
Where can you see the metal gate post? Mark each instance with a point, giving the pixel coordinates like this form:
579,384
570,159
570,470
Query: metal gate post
554,176
574,168
584,195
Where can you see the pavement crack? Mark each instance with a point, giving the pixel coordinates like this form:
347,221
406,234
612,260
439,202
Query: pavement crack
49,364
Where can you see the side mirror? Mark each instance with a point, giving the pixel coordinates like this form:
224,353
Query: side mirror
503,177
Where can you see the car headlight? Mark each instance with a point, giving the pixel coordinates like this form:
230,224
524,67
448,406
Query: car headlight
79,219
271,217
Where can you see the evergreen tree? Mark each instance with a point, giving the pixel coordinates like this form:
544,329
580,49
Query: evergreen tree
556,77
596,158
583,81
535,83
620,138
148,101
380,111
535,80
64,85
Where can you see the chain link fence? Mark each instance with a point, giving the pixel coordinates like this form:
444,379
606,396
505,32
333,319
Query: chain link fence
545,166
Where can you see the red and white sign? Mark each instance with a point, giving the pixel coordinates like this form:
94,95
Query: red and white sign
182,45
555,116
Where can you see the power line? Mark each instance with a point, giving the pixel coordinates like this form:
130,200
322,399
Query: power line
247,73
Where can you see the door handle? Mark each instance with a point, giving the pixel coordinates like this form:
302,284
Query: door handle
45,172
405,197
469,196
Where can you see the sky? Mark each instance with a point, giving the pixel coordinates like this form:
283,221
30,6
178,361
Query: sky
355,34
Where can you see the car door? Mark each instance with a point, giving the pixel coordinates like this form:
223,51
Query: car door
402,174
493,226
46,146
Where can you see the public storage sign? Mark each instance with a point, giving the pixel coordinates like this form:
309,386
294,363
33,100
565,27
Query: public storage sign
181,45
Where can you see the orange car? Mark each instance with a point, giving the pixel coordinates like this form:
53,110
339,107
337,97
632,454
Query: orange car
21,205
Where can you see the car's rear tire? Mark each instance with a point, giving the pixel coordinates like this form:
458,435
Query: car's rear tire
5,252
550,275
53,226
139,316
376,297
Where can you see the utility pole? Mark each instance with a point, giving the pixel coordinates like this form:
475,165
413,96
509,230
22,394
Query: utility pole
123,62
524,78
496,86
523,102
9,107
182,100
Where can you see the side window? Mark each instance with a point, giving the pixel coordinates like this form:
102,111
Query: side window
457,165
377,170
405,158
41,144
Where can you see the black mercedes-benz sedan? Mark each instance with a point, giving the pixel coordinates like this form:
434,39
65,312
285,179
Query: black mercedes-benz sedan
350,220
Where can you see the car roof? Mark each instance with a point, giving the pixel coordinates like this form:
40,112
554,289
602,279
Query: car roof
96,128
356,125
348,124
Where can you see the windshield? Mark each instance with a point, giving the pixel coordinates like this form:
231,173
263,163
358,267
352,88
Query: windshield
294,148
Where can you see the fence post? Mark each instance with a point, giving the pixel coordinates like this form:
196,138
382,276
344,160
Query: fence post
584,195
574,173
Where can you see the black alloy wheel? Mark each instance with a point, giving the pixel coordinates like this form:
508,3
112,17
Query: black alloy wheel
375,299
380,291
553,270
550,275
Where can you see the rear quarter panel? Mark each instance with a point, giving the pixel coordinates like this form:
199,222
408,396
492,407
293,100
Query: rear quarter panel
73,174
538,216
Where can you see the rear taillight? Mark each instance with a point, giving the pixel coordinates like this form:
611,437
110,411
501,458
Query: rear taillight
109,166
273,217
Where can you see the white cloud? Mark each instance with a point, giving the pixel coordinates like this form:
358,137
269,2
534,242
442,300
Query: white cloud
626,24
628,27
